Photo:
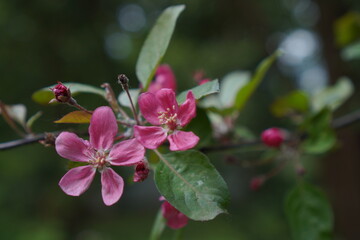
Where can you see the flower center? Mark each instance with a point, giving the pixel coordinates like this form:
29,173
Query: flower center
168,118
99,160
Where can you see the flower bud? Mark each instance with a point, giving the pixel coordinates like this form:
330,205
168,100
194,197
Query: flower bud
174,218
256,183
123,80
141,172
272,137
61,92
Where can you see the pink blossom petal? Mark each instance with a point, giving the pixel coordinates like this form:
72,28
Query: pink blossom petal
187,110
164,78
103,128
125,153
112,186
167,100
174,218
77,180
149,107
150,137
181,141
70,146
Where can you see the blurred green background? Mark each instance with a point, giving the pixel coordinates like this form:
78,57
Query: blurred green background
92,41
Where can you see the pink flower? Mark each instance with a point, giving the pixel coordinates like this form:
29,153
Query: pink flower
174,218
164,78
273,137
99,153
162,110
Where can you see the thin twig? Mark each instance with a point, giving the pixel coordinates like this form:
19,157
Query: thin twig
346,120
21,142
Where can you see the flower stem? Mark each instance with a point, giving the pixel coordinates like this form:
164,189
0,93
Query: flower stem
72,102
158,226
124,82
110,97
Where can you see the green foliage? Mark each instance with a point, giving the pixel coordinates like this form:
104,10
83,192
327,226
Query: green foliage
347,28
230,86
200,91
17,112
44,95
294,102
320,136
156,44
351,52
237,88
192,184
334,96
309,213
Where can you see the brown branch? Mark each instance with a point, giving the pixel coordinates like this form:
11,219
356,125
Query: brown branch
338,123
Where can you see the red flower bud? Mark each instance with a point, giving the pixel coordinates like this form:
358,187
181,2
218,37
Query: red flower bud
273,137
256,183
61,92
141,172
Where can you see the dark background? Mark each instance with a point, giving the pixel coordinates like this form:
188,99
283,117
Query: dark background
92,41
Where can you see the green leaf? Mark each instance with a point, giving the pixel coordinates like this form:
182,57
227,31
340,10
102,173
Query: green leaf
309,213
17,112
351,52
332,97
33,119
75,117
156,44
320,136
320,143
192,184
230,85
347,28
200,91
244,94
44,95
124,99
237,88
158,227
296,101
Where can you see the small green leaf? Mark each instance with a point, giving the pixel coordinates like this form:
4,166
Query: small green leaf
17,112
230,85
309,213
158,227
320,136
332,97
124,99
233,99
320,143
192,184
44,95
351,52
244,94
75,117
200,91
156,44
296,101
33,119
